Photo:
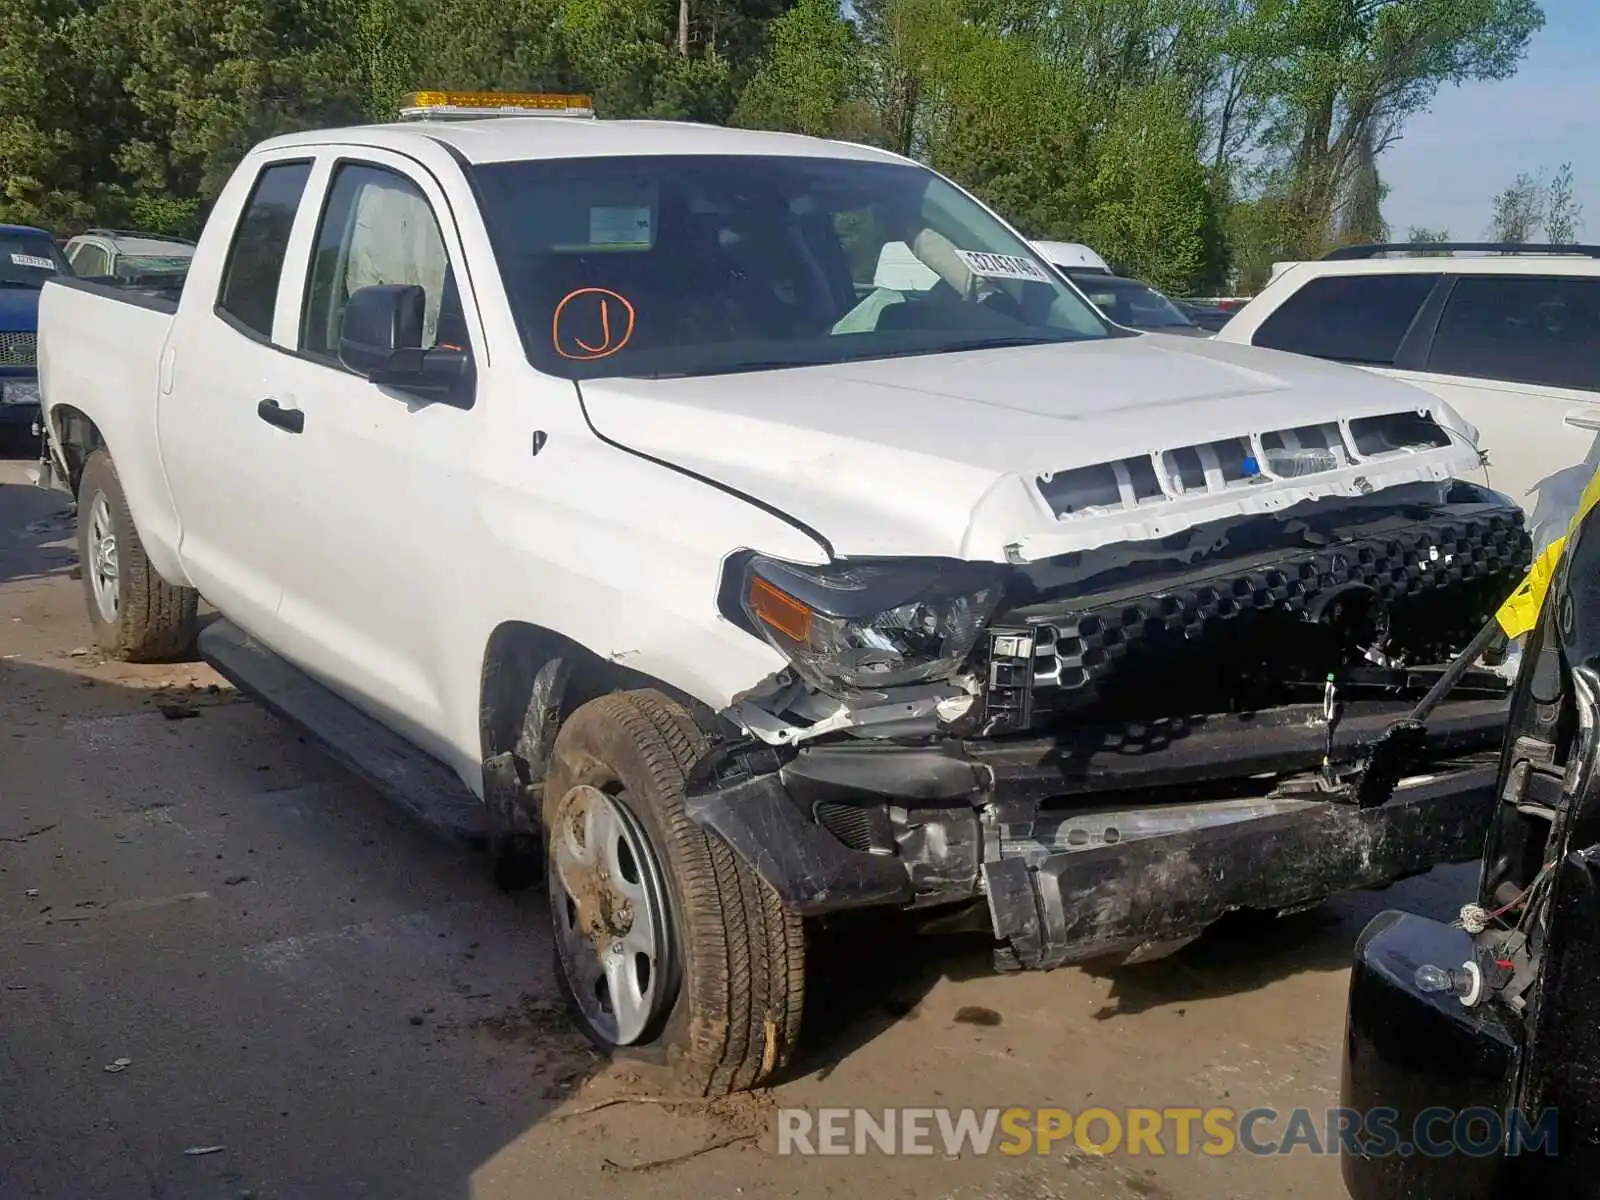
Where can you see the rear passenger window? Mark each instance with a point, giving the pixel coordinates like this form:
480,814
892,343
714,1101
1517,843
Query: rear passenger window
255,260
91,261
1350,318
1521,329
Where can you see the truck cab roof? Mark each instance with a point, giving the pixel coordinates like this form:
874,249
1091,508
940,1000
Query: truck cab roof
518,139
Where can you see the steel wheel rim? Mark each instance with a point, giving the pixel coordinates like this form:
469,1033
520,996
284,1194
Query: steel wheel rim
102,565
608,900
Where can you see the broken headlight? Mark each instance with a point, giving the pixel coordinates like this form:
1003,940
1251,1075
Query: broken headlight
872,624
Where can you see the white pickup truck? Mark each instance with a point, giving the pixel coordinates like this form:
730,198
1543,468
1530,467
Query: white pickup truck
576,481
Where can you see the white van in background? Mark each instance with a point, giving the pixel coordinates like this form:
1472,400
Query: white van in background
1073,256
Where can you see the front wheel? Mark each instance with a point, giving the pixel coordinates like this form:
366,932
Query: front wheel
668,946
137,616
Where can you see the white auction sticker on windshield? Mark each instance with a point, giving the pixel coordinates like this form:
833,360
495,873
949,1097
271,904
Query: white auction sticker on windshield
1003,266
33,260
620,225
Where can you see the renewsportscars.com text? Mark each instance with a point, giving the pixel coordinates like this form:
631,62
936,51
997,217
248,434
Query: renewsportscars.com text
1158,1132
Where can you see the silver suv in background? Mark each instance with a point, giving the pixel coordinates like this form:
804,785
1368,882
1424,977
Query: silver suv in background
145,261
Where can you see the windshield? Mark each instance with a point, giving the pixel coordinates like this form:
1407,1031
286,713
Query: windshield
1129,302
153,264
28,259
690,265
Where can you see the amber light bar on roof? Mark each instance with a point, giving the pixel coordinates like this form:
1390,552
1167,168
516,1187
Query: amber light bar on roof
434,105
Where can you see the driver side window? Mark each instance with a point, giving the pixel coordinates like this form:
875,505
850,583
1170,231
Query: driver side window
377,227
90,260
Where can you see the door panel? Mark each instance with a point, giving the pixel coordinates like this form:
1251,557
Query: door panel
225,466
383,486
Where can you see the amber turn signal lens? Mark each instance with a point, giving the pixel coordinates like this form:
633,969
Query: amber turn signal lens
780,610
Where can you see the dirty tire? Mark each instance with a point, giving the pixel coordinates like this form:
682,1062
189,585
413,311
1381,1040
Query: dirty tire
741,970
155,621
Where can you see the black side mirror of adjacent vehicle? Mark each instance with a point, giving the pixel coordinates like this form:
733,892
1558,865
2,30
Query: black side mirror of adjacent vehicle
380,339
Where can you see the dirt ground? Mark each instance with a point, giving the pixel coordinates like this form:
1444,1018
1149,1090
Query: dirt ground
347,1008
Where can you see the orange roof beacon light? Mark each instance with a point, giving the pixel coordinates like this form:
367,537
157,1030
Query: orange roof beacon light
436,106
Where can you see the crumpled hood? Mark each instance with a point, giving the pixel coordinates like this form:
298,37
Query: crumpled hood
19,310
940,454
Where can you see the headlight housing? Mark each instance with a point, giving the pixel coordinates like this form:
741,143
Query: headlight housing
865,625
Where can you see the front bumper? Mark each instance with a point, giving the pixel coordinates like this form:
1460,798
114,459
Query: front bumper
1085,848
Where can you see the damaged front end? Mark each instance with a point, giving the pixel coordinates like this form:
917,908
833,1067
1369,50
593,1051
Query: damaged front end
1114,747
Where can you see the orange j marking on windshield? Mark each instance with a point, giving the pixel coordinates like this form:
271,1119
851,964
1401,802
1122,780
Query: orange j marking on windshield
586,312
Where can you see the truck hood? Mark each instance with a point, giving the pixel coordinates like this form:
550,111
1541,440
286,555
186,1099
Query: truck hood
19,310
960,454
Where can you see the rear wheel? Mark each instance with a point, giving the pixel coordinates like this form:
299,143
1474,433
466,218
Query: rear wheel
669,947
136,615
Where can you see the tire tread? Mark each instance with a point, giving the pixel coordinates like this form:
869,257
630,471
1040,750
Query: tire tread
744,952
156,621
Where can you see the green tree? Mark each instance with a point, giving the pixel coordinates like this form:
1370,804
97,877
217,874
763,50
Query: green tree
1518,210
210,78
1563,218
1148,199
62,117
1419,235
492,45
1347,74
1361,216
810,75
385,37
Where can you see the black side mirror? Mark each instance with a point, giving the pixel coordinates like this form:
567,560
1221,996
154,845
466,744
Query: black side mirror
380,339
382,323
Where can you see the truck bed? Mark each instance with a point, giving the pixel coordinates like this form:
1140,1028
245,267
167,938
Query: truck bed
100,352
99,339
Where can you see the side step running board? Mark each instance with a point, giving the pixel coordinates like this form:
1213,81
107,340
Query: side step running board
425,788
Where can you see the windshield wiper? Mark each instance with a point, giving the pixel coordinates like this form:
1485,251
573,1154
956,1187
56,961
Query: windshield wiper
783,364
754,364
984,343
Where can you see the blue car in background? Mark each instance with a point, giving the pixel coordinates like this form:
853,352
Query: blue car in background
28,257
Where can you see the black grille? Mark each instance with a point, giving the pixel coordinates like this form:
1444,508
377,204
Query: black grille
18,349
1438,580
850,823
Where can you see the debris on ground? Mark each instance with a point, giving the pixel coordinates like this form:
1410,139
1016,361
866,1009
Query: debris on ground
179,712
655,1164
28,835
117,1066
976,1014
197,1151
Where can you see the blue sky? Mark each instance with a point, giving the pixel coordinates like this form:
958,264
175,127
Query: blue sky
1475,138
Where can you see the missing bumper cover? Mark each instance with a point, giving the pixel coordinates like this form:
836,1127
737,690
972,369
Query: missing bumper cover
1093,854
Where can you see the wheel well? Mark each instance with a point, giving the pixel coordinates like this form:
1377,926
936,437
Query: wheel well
78,437
512,661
